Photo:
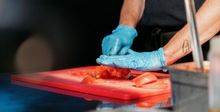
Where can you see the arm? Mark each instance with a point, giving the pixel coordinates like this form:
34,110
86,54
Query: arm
131,12
208,24
122,37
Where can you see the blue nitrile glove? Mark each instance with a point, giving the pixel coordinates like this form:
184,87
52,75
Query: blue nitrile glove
143,61
119,41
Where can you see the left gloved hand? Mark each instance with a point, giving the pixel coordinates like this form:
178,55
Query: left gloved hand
134,60
119,41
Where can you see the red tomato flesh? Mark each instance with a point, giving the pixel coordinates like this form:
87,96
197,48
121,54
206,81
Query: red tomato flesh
88,80
107,72
145,78
104,72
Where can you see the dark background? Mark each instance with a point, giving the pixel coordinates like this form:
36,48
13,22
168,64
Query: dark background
42,35
72,30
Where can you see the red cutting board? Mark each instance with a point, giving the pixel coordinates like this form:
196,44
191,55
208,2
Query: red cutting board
69,79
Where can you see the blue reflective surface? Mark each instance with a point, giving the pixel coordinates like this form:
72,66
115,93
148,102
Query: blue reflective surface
15,98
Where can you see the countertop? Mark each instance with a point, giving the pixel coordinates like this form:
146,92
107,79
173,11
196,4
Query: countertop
15,98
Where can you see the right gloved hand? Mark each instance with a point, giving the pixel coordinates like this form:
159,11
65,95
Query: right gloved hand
119,41
143,61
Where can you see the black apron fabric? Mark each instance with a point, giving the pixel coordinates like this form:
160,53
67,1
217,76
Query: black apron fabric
150,39
166,13
161,20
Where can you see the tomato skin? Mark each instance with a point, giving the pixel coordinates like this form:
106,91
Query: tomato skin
88,80
107,72
160,84
145,104
143,79
103,72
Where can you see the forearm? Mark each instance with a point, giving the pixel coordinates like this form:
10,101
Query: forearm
131,12
208,24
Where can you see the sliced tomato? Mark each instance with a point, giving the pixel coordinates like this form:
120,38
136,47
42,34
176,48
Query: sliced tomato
145,78
88,80
107,72
160,84
145,104
104,72
87,99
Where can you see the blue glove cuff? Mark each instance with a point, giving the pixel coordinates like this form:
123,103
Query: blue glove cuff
162,57
130,30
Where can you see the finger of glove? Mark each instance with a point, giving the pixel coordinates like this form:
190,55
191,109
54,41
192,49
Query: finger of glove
130,51
113,63
121,63
116,46
124,51
117,61
109,60
106,46
104,62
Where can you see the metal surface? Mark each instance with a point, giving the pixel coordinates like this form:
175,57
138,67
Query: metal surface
196,48
24,98
90,97
189,87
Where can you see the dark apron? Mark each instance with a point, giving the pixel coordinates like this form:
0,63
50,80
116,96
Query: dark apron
152,39
166,13
161,20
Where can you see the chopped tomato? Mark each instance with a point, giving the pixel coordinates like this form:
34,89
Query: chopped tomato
143,79
160,84
145,104
104,72
87,99
88,80
107,72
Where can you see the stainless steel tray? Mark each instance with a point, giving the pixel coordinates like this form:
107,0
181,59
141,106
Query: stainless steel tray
189,87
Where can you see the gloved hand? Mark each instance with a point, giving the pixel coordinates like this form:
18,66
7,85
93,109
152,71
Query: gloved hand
119,41
134,60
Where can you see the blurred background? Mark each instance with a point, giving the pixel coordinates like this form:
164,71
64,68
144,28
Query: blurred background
39,35
42,35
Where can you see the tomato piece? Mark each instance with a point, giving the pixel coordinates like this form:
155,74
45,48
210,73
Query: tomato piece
145,104
87,99
107,72
88,80
104,72
160,84
145,78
